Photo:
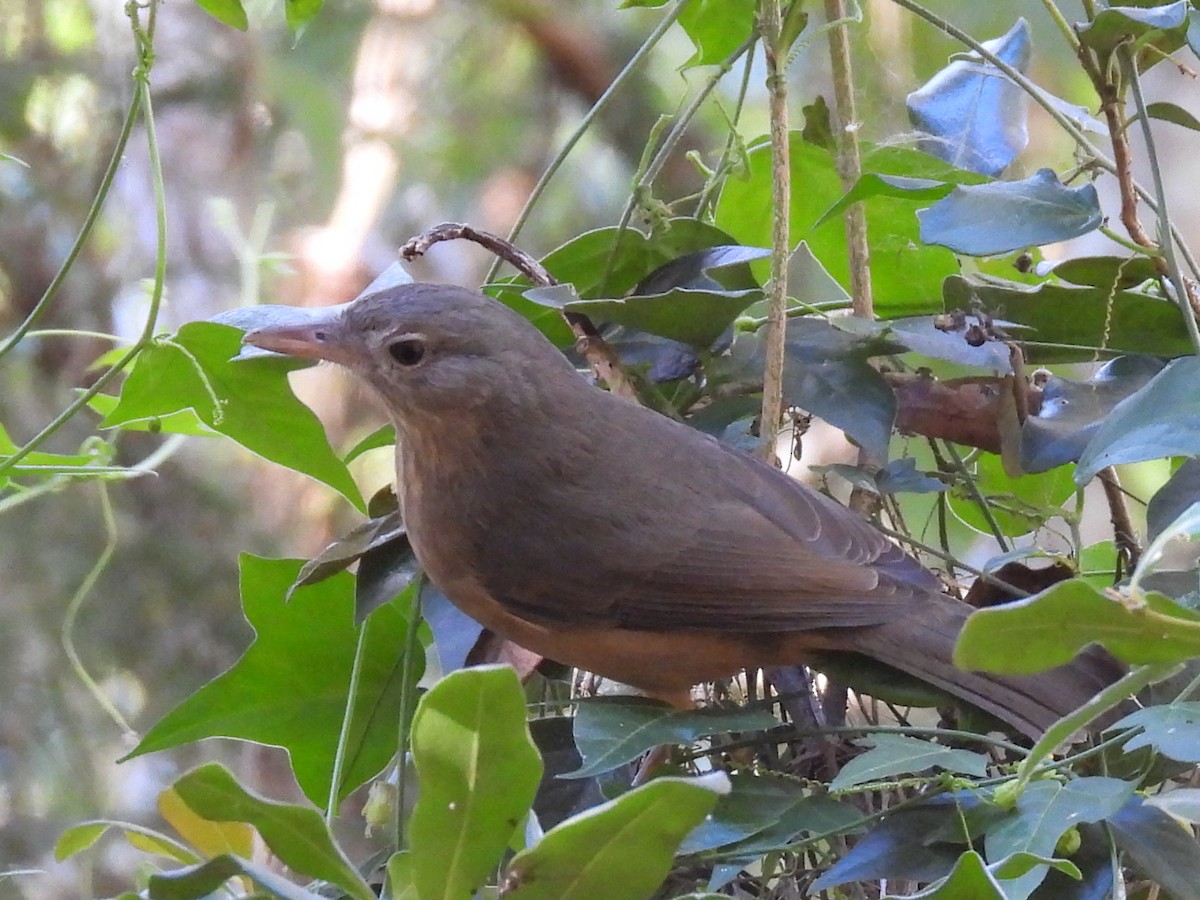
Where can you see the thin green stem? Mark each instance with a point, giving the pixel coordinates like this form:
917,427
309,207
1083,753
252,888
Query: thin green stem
646,175
1132,682
75,604
145,106
85,232
584,124
1165,236
985,507
709,193
1060,22
77,332
407,704
343,742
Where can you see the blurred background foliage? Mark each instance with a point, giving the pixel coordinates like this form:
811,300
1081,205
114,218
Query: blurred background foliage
293,170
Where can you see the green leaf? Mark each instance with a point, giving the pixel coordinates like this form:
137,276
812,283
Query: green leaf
694,317
898,754
1072,411
78,838
1173,730
872,185
254,404
968,880
1002,216
84,835
183,422
826,372
400,878
971,879
1163,27
1169,112
1049,628
478,771
755,801
906,277
1123,272
610,732
384,436
1019,504
973,114
290,688
1179,803
300,13
621,850
230,12
209,838
1044,811
1162,419
810,815
297,835
918,842
1158,848
717,28
1080,318
205,879
1173,499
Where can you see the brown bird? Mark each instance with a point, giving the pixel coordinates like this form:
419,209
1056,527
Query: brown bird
601,534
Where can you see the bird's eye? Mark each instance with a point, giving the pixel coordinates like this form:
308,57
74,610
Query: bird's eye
407,352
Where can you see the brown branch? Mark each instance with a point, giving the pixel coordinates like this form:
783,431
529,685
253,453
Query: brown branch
1124,537
600,356
781,192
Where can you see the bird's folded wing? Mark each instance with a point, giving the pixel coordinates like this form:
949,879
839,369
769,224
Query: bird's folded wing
748,550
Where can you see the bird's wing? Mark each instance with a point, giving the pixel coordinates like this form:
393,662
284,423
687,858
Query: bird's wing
698,537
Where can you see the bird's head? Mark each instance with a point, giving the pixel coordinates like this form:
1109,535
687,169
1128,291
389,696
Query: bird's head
428,350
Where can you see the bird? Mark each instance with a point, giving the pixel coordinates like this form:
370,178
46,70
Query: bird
606,536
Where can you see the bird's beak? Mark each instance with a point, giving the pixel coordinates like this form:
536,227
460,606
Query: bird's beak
311,333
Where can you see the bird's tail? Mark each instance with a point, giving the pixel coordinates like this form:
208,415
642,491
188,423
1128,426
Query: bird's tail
922,645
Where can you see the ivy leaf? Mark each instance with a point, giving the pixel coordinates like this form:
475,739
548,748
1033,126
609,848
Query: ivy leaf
1072,411
1044,811
621,850
290,688
250,400
906,275
826,372
1158,848
300,14
1070,323
717,28
612,732
1048,629
754,802
1170,112
478,771
900,846
1162,27
206,878
1159,420
974,115
228,12
297,835
684,300
897,754
1122,272
1173,498
1172,729
1002,216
